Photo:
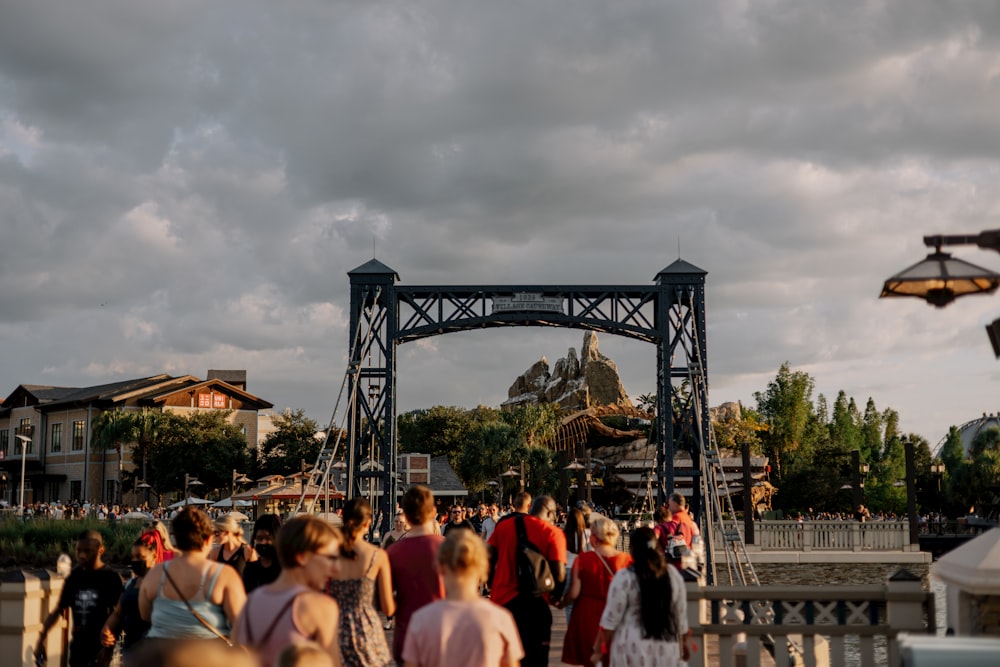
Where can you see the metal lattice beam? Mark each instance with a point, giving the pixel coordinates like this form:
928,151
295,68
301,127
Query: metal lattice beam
670,314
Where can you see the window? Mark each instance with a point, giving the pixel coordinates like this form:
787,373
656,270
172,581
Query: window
4,441
55,443
79,428
76,489
28,429
53,491
109,491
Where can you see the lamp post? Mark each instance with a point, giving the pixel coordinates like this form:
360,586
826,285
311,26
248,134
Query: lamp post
574,468
142,484
25,437
940,278
859,471
189,481
511,473
937,469
238,478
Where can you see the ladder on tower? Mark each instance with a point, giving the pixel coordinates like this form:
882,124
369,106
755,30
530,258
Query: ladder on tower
317,478
720,514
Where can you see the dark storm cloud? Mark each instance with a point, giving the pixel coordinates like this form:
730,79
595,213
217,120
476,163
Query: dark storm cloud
184,186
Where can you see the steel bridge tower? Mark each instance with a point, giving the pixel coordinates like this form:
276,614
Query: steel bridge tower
670,314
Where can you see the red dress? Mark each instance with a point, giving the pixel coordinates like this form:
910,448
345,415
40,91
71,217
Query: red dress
578,646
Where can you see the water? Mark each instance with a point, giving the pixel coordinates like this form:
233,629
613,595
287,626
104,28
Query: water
849,574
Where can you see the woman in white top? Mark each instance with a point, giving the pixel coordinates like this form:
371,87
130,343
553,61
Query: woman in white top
645,618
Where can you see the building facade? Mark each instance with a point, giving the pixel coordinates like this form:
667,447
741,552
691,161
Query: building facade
60,462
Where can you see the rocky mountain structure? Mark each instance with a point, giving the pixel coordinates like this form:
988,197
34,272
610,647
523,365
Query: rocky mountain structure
574,383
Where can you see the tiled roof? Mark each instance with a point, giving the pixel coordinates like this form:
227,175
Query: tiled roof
443,477
55,395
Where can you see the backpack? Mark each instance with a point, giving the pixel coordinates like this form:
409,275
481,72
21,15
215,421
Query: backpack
534,576
670,538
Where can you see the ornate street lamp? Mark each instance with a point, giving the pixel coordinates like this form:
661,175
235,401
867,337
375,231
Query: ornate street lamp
940,278
938,470
189,481
238,478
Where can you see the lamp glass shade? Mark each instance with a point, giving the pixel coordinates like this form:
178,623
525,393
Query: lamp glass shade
940,279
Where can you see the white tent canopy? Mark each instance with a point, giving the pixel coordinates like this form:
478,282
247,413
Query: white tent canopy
230,502
190,501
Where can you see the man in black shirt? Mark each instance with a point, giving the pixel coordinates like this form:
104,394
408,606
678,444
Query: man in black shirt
91,591
456,519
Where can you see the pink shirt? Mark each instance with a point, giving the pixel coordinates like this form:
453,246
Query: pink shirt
259,613
472,634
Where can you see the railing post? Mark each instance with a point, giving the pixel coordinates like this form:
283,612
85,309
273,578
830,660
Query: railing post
26,599
808,533
856,544
697,615
905,599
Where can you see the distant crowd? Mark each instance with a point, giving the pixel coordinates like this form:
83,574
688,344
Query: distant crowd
476,587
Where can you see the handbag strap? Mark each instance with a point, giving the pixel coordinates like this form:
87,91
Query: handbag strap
274,621
522,532
604,562
201,619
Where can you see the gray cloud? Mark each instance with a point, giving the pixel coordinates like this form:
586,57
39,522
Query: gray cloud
185,186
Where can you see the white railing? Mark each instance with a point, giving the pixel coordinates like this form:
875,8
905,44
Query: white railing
831,536
811,625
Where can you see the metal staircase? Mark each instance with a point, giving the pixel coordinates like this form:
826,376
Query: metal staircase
720,514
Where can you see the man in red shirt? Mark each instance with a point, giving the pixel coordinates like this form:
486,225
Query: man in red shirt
531,613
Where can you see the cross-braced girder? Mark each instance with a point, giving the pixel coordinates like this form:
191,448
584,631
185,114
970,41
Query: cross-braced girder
668,314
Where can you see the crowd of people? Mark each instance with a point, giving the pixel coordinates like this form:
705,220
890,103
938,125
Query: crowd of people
478,588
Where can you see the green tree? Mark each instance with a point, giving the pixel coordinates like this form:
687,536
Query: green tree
440,430
113,429
986,440
647,403
147,425
845,425
871,432
490,450
293,441
203,444
747,429
786,408
952,451
534,424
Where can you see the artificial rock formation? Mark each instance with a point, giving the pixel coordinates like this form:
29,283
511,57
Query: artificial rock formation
575,383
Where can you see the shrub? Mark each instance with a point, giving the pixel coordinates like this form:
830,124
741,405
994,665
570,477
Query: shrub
38,543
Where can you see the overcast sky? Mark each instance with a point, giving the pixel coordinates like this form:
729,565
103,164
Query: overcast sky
184,185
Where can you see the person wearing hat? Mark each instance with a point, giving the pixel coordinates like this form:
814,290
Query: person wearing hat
229,545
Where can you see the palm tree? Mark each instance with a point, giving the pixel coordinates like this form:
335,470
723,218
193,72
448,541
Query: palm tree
148,423
112,429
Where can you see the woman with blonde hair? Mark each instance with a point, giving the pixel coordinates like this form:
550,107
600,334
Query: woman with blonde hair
294,608
229,545
353,586
464,628
189,596
592,574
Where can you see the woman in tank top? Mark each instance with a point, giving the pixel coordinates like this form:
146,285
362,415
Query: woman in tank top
229,545
362,636
294,609
191,581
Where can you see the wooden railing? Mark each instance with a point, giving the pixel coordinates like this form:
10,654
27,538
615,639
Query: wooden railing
832,536
810,625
